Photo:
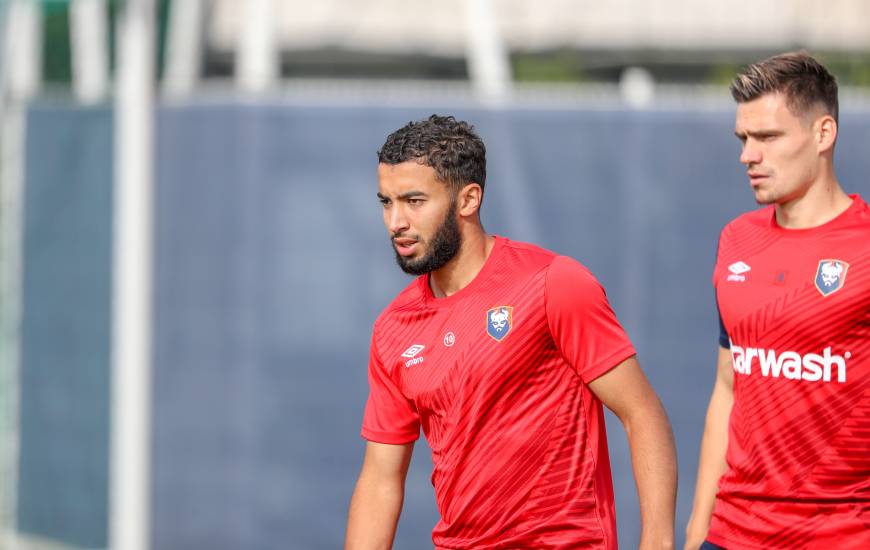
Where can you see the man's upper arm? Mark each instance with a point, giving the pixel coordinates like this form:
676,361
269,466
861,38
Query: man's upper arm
724,370
582,323
390,417
387,461
377,499
624,388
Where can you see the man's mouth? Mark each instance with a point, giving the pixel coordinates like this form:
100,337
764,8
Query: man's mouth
755,178
404,246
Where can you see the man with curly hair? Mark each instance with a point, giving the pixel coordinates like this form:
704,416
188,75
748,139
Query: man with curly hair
503,353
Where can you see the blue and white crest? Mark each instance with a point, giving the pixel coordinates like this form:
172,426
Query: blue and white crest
499,321
831,276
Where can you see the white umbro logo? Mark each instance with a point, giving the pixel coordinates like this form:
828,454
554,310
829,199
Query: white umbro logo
738,268
737,271
413,350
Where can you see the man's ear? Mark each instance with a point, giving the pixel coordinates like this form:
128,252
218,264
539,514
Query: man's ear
469,199
826,133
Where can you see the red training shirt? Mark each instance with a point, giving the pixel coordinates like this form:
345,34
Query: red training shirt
497,375
796,307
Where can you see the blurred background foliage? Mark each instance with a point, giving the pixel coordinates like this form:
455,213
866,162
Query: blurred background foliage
563,65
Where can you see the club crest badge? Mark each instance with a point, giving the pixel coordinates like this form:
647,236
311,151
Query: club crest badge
499,321
831,276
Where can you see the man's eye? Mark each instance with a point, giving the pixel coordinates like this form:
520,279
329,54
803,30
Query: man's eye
384,202
415,201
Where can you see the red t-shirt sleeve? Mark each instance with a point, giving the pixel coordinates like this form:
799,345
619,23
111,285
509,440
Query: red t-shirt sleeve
582,322
717,267
724,340
389,416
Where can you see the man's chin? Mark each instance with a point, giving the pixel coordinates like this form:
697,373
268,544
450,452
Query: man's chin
764,198
410,264
413,269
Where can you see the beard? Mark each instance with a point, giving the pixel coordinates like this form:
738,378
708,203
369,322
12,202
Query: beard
441,248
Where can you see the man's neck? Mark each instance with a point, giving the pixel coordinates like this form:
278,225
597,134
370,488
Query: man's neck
464,267
823,201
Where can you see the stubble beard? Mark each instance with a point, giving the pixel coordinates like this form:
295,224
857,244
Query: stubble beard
765,198
442,248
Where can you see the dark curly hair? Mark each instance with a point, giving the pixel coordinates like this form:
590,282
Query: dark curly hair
804,81
449,146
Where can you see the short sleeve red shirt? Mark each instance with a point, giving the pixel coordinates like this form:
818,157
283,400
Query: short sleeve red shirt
497,377
795,306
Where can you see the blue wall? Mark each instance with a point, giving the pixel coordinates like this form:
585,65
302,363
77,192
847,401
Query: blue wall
272,264
63,465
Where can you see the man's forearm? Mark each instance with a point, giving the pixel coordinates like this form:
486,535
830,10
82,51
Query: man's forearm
654,461
714,445
626,391
374,512
711,466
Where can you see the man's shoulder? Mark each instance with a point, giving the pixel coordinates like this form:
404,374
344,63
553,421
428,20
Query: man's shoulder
754,220
526,256
760,217
533,260
410,297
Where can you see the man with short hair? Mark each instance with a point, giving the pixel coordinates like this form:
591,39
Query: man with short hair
504,353
787,435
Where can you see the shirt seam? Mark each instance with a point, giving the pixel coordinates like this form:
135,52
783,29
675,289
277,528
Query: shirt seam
725,542
547,315
604,534
607,364
378,436
584,387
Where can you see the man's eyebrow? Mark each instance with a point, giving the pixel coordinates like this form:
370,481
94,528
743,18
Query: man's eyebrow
759,133
403,196
411,195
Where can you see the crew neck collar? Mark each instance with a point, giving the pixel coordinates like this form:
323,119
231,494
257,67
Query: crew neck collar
842,217
468,289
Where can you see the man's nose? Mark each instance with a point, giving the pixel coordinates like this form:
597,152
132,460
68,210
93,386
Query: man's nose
750,154
396,220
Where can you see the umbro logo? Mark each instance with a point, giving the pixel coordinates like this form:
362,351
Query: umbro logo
411,354
738,268
737,271
413,350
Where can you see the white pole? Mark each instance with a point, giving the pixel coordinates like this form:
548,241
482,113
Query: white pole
183,48
257,60
90,57
129,514
12,128
24,49
488,61
14,17
5,29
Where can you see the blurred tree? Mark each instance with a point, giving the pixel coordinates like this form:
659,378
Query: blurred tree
57,59
558,66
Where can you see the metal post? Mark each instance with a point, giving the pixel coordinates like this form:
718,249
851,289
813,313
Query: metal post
90,54
488,62
12,128
257,61
183,48
24,49
129,515
19,78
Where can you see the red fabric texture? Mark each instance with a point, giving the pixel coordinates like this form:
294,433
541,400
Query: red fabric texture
496,375
799,433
